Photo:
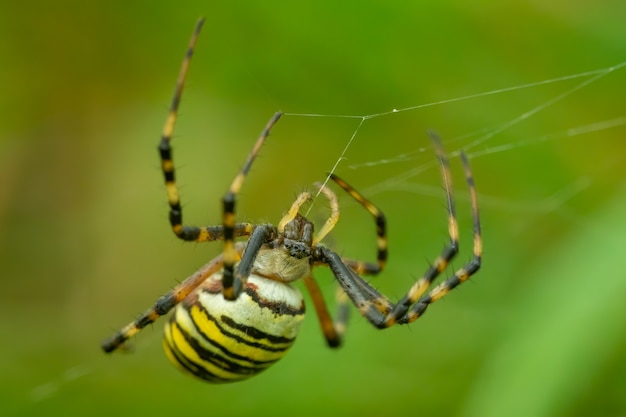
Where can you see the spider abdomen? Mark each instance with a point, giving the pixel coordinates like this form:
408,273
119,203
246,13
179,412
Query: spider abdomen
226,341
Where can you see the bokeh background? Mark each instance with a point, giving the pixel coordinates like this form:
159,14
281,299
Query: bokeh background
85,244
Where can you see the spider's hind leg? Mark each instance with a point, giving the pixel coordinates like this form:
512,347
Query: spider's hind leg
164,304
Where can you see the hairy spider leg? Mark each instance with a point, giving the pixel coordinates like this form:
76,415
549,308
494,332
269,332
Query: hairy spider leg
165,303
233,284
333,330
377,308
333,219
467,270
187,233
361,267
293,210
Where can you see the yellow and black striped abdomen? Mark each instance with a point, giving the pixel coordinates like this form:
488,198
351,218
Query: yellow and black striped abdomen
227,341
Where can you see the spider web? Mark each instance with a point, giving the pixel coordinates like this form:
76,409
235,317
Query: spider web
478,142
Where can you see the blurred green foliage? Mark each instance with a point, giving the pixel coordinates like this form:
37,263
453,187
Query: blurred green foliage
84,240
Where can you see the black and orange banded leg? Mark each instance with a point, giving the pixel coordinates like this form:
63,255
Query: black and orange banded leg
361,267
467,270
377,308
261,235
333,330
232,284
187,233
448,253
164,304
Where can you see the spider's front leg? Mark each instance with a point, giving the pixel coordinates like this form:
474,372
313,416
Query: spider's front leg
232,284
377,308
371,304
261,235
185,232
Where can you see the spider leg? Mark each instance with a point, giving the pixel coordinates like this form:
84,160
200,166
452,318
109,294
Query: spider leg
362,267
164,304
293,210
377,308
333,329
370,303
449,252
231,290
463,273
187,233
334,213
261,235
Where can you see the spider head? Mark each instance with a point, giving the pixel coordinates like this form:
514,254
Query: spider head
286,258
298,237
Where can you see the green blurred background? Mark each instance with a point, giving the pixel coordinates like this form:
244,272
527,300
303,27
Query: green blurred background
85,244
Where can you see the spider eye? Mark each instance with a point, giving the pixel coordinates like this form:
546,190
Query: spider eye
297,249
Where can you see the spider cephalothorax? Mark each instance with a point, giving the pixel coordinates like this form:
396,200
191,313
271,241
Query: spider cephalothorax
298,237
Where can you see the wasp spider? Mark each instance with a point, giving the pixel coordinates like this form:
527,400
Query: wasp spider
239,314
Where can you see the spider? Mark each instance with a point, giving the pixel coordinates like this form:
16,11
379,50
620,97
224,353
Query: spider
239,313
